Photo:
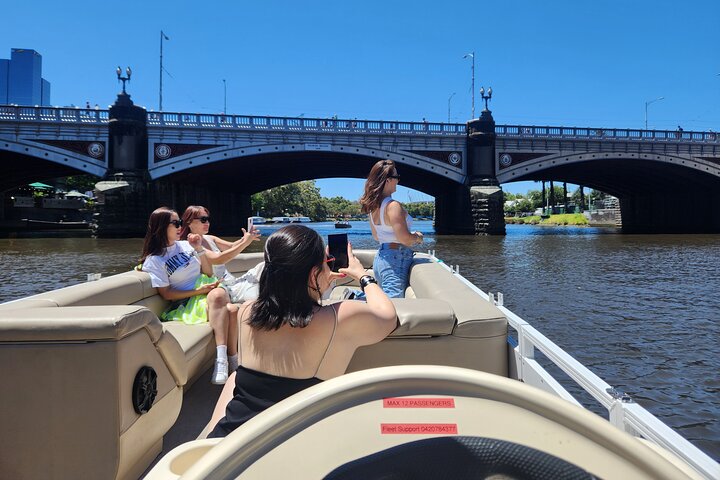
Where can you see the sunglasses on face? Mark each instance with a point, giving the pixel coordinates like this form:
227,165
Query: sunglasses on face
176,223
203,219
330,260
396,177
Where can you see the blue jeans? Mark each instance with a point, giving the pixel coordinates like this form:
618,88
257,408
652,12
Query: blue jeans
392,269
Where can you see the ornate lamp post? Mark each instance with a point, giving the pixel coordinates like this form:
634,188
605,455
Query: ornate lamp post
486,97
128,72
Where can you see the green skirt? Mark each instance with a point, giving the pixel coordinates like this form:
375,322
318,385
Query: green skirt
189,310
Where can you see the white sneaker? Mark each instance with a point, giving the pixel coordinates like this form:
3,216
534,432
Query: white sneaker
220,374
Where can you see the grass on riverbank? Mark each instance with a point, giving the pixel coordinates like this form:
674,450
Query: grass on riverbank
561,219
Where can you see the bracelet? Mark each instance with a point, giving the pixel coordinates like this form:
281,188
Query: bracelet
199,253
366,280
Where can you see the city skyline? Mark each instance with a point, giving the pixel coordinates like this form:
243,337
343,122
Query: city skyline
558,64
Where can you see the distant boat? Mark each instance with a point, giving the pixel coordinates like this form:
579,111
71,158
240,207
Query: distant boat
300,219
341,224
280,220
258,220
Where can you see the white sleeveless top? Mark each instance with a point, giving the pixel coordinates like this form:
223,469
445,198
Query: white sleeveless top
219,271
385,233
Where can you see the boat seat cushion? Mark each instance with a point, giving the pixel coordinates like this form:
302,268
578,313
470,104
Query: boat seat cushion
475,316
196,341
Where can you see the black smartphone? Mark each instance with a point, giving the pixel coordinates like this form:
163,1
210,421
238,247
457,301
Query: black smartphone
337,244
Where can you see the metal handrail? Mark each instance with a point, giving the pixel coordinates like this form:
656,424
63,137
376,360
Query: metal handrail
64,115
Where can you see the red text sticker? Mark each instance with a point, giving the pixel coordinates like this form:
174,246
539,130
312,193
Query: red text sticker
418,428
418,402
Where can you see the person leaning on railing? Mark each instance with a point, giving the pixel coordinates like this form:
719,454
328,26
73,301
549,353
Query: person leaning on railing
390,225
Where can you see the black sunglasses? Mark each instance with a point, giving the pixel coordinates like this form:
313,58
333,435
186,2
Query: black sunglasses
176,223
396,177
203,219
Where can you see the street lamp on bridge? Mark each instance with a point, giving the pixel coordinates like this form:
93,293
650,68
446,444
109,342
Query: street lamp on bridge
646,107
486,97
450,98
472,82
128,72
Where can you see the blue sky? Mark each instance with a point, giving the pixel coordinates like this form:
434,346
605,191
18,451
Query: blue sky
565,63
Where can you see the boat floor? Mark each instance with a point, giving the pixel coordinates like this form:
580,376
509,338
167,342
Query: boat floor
197,407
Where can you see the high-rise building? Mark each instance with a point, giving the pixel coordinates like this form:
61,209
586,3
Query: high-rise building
21,81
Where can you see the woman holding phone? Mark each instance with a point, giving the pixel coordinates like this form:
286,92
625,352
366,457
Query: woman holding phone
175,266
391,226
196,219
290,341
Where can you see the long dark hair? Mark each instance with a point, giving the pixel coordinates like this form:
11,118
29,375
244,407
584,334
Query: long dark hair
374,185
156,235
291,253
191,213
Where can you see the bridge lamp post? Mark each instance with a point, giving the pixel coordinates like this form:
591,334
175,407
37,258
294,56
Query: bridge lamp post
128,72
486,97
472,83
450,98
224,97
650,102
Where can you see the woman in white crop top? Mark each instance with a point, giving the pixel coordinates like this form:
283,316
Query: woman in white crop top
390,225
196,220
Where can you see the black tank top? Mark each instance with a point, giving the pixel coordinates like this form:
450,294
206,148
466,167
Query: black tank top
254,392
257,391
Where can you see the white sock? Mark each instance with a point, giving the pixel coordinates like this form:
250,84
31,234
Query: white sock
221,352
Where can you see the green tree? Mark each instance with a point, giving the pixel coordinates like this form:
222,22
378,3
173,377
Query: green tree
81,183
301,198
420,209
341,207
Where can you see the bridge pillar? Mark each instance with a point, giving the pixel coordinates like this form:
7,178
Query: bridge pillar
128,196
486,195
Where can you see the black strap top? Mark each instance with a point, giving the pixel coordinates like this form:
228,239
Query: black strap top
256,391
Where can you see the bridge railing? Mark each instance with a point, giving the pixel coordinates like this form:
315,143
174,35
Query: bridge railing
53,114
301,124
333,125
605,133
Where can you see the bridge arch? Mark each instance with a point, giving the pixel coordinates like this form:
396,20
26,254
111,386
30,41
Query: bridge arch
617,173
269,165
23,161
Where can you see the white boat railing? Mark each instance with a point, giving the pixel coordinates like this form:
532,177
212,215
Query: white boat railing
622,411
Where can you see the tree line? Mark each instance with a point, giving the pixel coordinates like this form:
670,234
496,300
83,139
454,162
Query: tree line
304,199
533,199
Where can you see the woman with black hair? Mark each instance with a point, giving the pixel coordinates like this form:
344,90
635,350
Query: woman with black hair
288,340
175,266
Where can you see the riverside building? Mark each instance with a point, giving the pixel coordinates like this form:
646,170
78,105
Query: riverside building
21,81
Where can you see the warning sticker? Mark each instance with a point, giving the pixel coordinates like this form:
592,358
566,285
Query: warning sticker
418,428
418,402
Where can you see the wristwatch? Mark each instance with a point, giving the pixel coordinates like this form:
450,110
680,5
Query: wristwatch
366,280
199,253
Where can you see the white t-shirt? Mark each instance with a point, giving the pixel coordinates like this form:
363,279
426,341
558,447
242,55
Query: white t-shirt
178,268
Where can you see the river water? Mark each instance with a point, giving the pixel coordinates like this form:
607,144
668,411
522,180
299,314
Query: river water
642,312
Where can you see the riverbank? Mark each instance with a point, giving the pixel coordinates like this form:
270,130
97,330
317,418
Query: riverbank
573,219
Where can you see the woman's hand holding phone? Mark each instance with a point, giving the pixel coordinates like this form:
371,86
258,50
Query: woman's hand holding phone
354,269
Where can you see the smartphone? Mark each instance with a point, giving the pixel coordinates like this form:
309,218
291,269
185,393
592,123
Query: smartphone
250,224
338,244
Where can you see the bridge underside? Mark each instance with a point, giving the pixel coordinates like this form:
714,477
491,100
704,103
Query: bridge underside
257,173
655,197
21,169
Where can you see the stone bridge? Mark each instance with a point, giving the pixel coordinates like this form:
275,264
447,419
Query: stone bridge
658,175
